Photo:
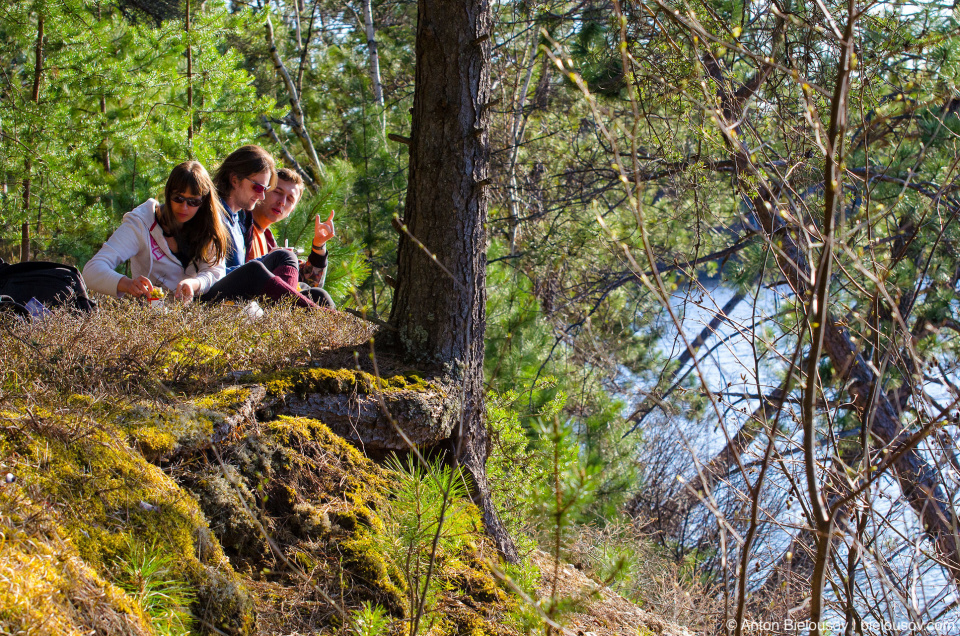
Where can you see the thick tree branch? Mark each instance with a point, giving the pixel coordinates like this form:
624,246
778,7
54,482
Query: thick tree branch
298,121
289,158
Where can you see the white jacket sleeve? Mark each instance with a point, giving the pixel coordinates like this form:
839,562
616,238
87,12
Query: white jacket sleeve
122,245
209,274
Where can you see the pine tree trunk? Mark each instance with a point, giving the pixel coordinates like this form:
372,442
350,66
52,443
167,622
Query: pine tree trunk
440,303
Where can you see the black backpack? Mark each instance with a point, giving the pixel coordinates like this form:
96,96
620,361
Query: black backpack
28,288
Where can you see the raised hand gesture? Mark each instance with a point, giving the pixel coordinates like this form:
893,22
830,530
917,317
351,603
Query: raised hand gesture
323,232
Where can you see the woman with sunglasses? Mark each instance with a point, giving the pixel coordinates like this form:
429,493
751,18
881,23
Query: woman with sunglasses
179,245
242,180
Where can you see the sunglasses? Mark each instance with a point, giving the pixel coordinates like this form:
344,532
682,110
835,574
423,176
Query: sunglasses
259,188
192,202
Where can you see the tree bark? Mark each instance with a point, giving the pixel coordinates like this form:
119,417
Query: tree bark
440,303
25,242
297,10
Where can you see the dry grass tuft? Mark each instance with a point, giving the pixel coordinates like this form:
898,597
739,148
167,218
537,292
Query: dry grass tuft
73,391
624,558
129,348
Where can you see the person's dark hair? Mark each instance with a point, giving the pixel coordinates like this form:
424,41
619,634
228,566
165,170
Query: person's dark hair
290,176
205,234
243,162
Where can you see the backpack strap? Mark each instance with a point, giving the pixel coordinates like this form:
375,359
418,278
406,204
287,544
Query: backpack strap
8,304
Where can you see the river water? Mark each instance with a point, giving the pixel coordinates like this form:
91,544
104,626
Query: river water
904,588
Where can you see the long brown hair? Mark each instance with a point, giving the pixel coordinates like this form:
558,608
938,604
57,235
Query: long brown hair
205,232
243,162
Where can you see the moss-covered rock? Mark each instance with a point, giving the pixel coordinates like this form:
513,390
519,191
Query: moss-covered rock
294,478
385,414
108,498
272,521
332,381
382,581
233,407
460,620
258,500
160,433
473,579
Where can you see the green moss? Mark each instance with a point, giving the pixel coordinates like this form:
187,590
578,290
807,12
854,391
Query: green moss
109,498
305,482
477,584
411,382
363,560
304,381
158,433
462,621
154,442
226,401
291,429
317,496
221,494
357,517
47,586
306,561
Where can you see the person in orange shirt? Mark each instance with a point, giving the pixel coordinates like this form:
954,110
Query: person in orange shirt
277,205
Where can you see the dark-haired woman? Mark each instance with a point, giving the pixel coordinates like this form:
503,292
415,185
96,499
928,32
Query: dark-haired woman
242,180
179,245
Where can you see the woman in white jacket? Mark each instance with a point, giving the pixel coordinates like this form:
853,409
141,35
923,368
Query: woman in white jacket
179,245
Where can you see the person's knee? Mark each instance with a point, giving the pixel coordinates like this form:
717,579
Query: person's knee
249,277
280,258
321,297
255,273
257,268
246,281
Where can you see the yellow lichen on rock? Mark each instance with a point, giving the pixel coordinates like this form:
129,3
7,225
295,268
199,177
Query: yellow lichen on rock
222,494
226,401
289,429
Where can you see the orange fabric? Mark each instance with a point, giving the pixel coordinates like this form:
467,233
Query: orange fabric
258,243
